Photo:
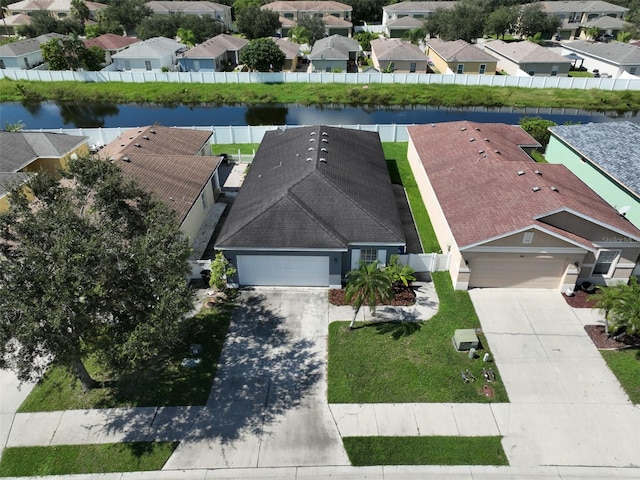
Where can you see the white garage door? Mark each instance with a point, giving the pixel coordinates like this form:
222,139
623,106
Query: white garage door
527,272
301,271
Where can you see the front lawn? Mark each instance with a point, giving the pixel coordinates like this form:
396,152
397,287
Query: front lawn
167,383
425,451
84,459
625,365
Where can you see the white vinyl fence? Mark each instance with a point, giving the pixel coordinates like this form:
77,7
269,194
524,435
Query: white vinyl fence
426,262
582,83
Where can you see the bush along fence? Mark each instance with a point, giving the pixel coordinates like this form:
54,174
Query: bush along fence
580,83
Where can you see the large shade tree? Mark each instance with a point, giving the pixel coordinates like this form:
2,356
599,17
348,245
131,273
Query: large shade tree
254,22
90,266
367,285
465,21
262,54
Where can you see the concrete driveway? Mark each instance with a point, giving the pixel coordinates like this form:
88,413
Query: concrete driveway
567,408
268,405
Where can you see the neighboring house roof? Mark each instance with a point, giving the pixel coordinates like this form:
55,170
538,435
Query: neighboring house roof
331,21
187,7
459,51
8,180
27,46
607,146
487,187
50,5
604,23
335,47
406,22
110,41
290,49
152,48
580,6
612,52
418,7
17,20
216,46
297,198
524,52
19,149
307,6
396,50
166,163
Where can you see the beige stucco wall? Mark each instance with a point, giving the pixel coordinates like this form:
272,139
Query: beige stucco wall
399,66
437,60
52,164
197,215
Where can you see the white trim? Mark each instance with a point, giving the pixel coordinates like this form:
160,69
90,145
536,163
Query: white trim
526,250
375,244
617,244
523,229
589,219
613,265
251,249
382,257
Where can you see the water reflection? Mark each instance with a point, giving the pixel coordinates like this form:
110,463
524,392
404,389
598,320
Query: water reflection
87,115
266,114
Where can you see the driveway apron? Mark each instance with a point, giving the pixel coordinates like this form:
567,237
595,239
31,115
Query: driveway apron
567,407
268,405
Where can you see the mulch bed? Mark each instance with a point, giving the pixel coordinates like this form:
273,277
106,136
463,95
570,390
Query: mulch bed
604,342
403,297
580,299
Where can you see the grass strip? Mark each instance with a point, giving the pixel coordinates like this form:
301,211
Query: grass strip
625,365
364,451
165,383
85,459
318,94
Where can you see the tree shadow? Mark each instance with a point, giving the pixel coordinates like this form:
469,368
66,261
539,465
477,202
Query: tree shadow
266,369
397,329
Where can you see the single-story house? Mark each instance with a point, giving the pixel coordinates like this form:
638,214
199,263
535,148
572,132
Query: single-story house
58,9
335,15
508,221
576,14
398,18
25,54
315,202
175,164
397,56
152,54
221,13
335,53
460,57
110,43
600,154
527,58
616,59
291,52
212,55
23,154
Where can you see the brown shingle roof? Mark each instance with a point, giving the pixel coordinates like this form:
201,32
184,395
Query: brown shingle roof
484,197
110,41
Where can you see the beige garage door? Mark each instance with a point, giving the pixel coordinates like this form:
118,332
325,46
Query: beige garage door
511,271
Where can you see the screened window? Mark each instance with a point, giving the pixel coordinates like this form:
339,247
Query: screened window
460,68
147,64
412,68
368,255
606,259
483,68
2,64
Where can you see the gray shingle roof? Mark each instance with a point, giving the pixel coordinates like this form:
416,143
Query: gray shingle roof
335,47
525,52
612,147
29,45
395,49
405,22
418,7
8,180
459,50
216,46
152,48
612,52
19,149
580,6
292,198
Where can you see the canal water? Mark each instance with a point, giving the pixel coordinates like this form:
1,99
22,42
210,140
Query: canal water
77,115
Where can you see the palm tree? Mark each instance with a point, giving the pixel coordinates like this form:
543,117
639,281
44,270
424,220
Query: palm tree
415,35
367,285
621,306
592,32
4,10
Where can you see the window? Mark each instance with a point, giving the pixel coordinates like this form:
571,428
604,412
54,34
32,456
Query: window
554,71
368,255
632,70
527,237
483,68
328,70
2,67
127,65
289,16
412,67
147,64
196,65
203,197
531,73
460,68
605,261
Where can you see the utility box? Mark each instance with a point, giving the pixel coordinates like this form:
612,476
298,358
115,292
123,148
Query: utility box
465,339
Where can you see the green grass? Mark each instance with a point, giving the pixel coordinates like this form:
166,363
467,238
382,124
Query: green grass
314,94
233,148
84,459
538,156
625,365
409,362
166,384
580,73
425,451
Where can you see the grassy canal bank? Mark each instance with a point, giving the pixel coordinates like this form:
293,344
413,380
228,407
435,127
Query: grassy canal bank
318,94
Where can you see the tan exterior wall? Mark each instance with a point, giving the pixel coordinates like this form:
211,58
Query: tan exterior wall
473,68
400,67
51,165
438,61
197,215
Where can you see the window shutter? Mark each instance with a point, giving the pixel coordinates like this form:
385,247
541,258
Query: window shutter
382,257
355,256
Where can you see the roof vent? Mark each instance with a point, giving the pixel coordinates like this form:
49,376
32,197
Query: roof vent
497,151
480,151
486,139
555,189
324,150
536,189
145,137
324,134
312,140
137,145
126,159
309,159
537,172
520,172
310,149
478,128
122,144
463,128
323,160
472,139
324,140
312,133
152,131
433,125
